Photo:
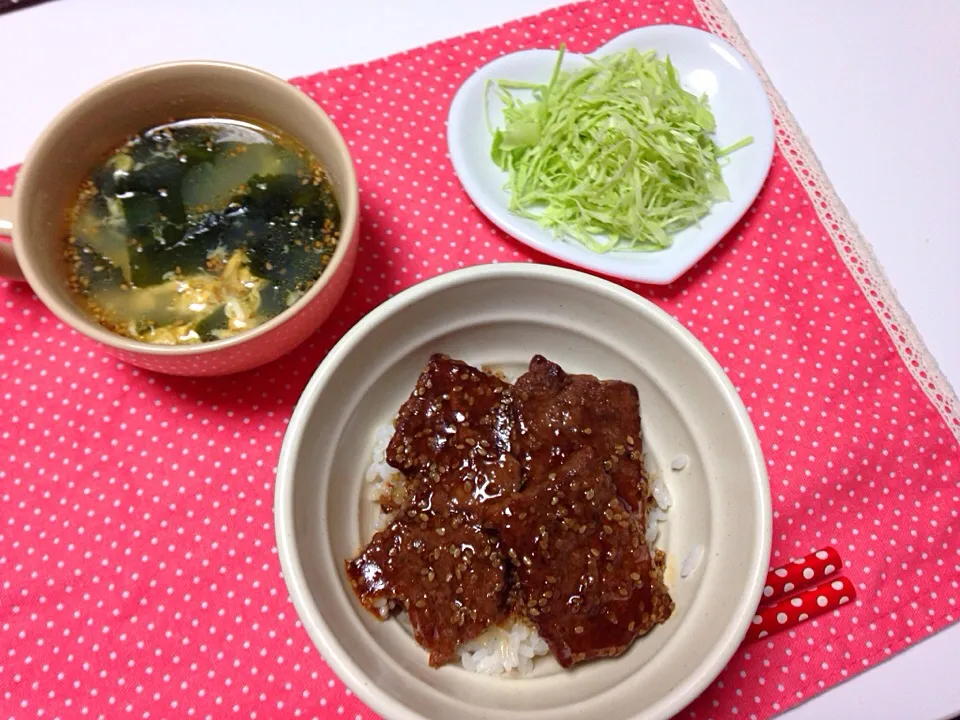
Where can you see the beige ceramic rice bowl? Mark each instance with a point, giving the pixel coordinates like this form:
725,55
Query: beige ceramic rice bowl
501,315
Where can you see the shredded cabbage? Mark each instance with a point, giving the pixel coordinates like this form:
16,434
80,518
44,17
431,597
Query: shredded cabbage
615,155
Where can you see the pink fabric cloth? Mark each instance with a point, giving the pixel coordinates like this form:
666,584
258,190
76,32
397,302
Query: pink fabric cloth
138,569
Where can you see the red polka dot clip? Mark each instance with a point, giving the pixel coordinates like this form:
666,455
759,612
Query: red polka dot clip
789,600
791,577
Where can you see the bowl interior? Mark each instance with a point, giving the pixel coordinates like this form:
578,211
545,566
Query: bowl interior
706,65
102,119
501,316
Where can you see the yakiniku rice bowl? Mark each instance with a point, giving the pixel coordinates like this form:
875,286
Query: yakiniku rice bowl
510,648
503,313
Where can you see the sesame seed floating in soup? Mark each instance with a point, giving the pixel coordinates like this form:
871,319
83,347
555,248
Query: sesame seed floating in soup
199,230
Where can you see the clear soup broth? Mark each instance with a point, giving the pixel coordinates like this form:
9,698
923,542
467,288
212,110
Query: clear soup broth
198,230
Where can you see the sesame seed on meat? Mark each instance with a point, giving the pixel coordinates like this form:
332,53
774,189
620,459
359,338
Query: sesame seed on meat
525,501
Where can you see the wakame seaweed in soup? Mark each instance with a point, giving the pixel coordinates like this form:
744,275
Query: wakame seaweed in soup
200,229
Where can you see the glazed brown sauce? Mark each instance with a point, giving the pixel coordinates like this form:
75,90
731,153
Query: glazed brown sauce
453,442
525,501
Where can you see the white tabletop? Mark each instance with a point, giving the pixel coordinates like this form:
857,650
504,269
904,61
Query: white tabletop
875,94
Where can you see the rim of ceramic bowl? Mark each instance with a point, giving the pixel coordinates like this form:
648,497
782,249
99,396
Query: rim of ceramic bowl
349,206
339,657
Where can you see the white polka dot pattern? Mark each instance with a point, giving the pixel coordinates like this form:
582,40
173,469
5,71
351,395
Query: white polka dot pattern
815,566
789,612
138,573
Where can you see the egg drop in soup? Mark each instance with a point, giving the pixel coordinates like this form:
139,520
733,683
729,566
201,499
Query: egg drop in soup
198,230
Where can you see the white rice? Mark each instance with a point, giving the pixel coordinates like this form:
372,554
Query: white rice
657,512
383,607
383,479
692,561
379,472
679,462
502,649
511,648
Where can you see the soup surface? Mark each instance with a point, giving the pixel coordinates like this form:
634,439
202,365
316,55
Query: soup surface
198,230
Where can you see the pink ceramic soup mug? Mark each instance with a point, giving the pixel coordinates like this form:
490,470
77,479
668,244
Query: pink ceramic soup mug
99,122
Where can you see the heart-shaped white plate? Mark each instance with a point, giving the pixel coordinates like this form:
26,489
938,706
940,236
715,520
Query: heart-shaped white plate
706,64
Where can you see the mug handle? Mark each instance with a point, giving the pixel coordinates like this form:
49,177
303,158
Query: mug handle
9,268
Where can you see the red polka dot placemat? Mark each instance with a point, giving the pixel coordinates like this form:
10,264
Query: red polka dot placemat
138,571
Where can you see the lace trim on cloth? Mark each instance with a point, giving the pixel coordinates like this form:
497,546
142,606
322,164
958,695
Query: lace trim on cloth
856,252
